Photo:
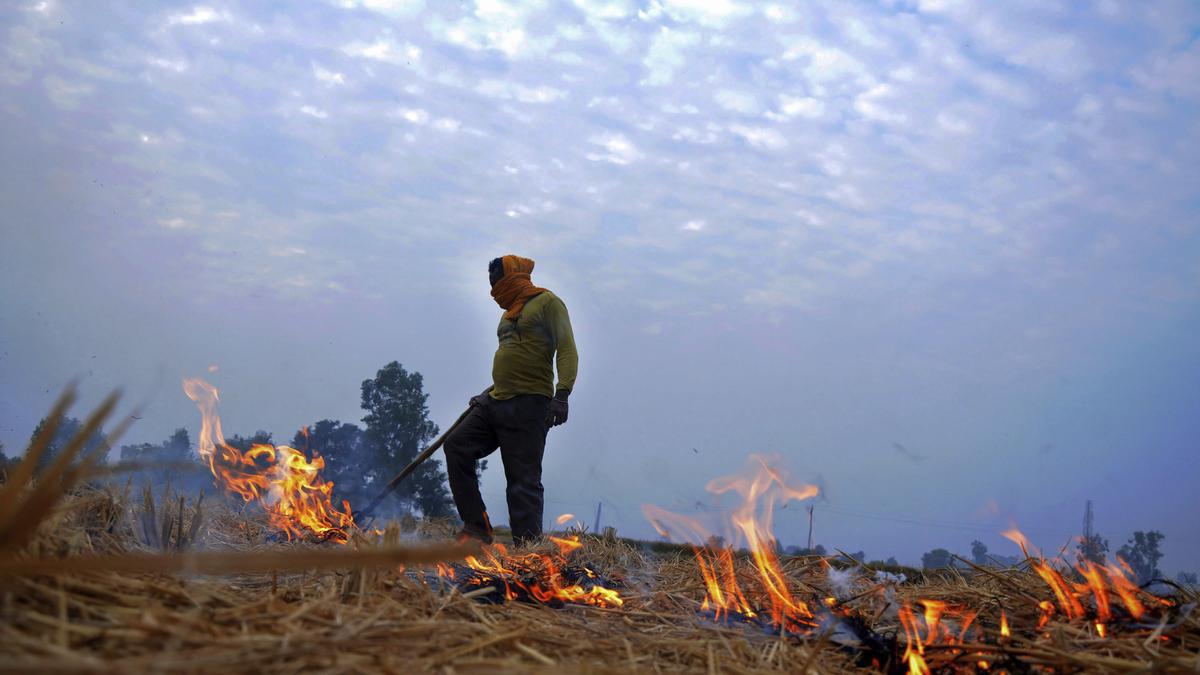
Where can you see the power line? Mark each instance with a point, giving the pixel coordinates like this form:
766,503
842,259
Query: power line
810,524
911,521
1088,521
893,517
943,525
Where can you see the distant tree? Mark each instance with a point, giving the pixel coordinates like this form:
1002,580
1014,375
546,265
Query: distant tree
170,461
817,550
979,552
860,556
1007,560
398,427
892,561
179,446
1093,548
68,428
6,464
1187,579
348,458
715,542
244,443
938,558
142,453
1142,554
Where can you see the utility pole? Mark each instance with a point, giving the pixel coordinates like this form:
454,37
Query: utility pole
810,521
1087,530
596,527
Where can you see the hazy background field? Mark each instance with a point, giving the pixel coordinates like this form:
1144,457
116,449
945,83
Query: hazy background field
941,256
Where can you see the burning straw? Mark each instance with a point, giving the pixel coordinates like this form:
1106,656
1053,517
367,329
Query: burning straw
281,479
79,595
28,499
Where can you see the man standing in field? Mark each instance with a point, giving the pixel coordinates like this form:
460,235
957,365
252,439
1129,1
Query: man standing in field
522,404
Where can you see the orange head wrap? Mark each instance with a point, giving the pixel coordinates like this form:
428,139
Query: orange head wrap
515,288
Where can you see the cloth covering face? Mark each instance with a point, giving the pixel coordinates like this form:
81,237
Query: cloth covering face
516,287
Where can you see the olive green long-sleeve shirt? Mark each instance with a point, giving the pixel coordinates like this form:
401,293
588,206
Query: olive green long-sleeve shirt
531,345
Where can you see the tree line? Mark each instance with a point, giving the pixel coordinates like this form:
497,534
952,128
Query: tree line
1142,553
359,460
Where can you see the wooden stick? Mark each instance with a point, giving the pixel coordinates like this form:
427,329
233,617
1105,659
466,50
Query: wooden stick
412,466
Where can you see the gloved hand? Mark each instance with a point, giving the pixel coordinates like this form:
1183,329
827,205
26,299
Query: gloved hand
482,398
558,408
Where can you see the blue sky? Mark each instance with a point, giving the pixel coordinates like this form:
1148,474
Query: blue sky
818,229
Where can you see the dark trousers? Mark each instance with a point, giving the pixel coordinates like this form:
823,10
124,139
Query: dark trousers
518,427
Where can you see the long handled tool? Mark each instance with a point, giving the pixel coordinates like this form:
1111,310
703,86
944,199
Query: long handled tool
412,466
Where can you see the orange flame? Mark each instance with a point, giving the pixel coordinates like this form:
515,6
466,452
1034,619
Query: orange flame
938,618
914,652
968,618
566,545
1048,610
916,664
720,580
1126,589
538,575
1015,535
761,488
933,615
1095,581
1004,631
1068,595
281,479
1067,600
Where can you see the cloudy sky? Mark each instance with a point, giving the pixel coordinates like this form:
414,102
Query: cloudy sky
941,256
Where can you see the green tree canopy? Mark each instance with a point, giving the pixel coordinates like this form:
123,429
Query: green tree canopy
398,427
979,552
169,461
816,550
1142,554
243,443
938,558
68,428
